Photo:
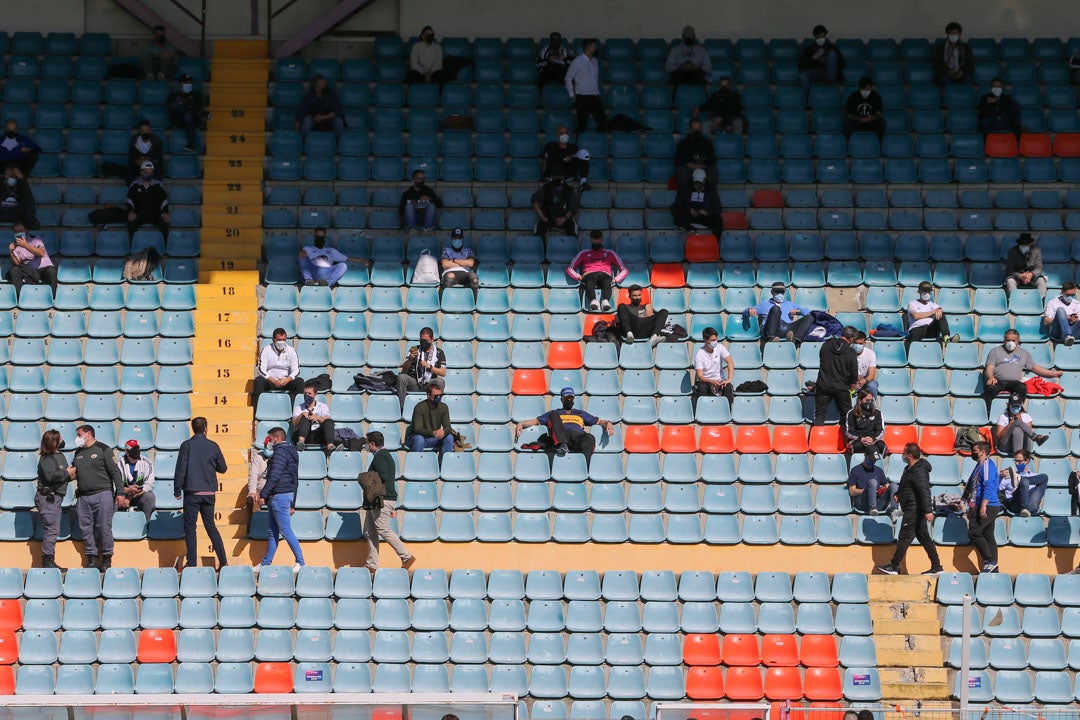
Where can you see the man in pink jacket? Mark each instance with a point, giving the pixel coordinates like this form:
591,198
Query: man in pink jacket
597,267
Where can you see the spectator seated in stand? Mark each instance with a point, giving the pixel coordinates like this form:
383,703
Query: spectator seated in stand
278,369
562,158
17,203
695,152
430,427
998,112
597,267
1022,490
870,491
147,202
320,109
418,205
868,368
1024,266
311,421
138,474
636,319
553,61
821,62
187,110
30,261
780,317
954,63
322,265
566,429
864,427
688,62
159,56
697,206
1013,431
1062,315
725,108
145,145
423,368
925,319
863,112
556,206
18,149
714,369
458,263
1005,368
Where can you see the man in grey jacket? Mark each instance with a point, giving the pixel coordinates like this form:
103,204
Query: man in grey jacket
97,482
197,466
1024,266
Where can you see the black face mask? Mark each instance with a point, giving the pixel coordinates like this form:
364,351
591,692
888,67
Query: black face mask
10,133
319,242
429,38
425,345
724,90
145,135
568,403
635,301
695,133
133,455
868,406
688,41
597,247
160,40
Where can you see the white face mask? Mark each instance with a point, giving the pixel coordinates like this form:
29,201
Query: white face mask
11,182
564,138
925,297
778,298
1010,345
954,38
820,41
1024,248
80,441
865,93
713,344
996,92
858,348
1067,299
186,87
279,345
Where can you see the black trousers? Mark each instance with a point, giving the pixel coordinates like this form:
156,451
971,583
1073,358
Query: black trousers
914,526
857,448
1003,386
194,506
587,105
687,77
551,73
322,435
578,442
935,330
145,219
822,398
262,385
704,389
642,327
876,126
595,280
981,532
20,275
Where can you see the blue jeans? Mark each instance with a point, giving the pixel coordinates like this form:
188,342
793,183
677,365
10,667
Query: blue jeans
883,503
1028,494
410,216
872,388
822,75
419,443
280,521
309,271
1060,327
308,124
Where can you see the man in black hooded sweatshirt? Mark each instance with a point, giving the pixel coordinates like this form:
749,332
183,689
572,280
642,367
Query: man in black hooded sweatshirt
837,375
913,496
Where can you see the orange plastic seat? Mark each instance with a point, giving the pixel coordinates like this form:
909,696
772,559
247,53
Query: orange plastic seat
590,322
790,439
11,616
825,711
741,651
678,439
157,646
744,683
1001,145
273,678
702,249
734,220
938,440
705,683
819,651
623,298
641,439
9,647
701,649
1035,145
767,199
897,436
7,680
779,651
826,440
565,356
386,713
823,684
667,275
753,439
1067,144
529,382
716,439
783,683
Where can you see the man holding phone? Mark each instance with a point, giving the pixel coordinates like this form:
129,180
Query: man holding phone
311,421
424,367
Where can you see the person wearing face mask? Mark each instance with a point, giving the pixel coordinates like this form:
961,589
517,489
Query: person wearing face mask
430,428
278,369
982,497
18,149
998,112
553,61
424,367
566,429
1022,490
1005,368
953,62
713,369
144,145
311,421
30,261
186,110
688,62
138,474
782,317
418,204
725,108
821,62
195,480
147,202
582,83
864,427
868,369
638,319
597,268
17,202
426,59
279,495
555,204
565,159
377,525
320,264
99,489
914,502
1013,431
1062,315
863,112
697,206
320,109
458,263
695,152
837,375
258,457
870,491
52,485
1024,266
159,56
926,320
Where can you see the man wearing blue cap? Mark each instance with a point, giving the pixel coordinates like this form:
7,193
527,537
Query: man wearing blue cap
566,428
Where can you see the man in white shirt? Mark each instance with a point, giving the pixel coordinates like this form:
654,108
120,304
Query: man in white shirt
311,421
1013,431
278,369
1062,315
713,369
867,360
583,87
138,474
926,319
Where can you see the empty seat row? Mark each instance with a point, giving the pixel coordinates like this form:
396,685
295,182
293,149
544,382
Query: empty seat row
1014,654
84,166
1020,686
106,351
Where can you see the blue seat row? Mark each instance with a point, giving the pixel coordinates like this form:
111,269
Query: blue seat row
27,42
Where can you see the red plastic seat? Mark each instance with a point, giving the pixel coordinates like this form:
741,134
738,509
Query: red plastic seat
590,322
641,439
705,683
386,713
667,275
7,680
1067,144
529,382
273,678
790,439
701,649
823,684
897,436
9,647
753,439
702,249
779,651
819,651
734,220
1001,145
744,683
1035,145
678,439
741,651
565,356
767,199
716,439
783,683
623,298
157,646
11,615
826,440
938,440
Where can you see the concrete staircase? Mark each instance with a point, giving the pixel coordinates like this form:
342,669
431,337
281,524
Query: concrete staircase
910,649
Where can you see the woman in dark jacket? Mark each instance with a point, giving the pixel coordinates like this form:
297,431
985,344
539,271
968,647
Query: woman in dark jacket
52,482
865,427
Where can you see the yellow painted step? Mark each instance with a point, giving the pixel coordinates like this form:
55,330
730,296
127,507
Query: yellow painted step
906,692
227,191
224,146
204,399
903,611
247,123
250,171
237,318
237,263
240,49
223,288
216,218
240,74
226,96
218,344
902,587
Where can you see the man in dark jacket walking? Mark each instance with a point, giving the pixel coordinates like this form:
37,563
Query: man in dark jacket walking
279,493
913,496
837,376
97,483
197,465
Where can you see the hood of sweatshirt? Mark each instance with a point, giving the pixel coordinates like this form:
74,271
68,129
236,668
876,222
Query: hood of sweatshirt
838,347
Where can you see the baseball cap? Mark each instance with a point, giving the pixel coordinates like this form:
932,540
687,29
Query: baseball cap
457,233
778,287
925,286
185,78
133,443
567,392
147,165
1025,239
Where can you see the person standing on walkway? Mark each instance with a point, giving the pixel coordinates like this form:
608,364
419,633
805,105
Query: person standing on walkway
197,466
913,496
279,493
97,482
981,494
377,526
52,483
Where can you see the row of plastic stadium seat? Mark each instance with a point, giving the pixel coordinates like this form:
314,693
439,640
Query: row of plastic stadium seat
100,297
164,435
183,242
105,351
1030,589
108,193
98,408
24,525
74,324
110,271
1016,686
110,92
1009,621
112,143
85,116
84,166
1012,654
54,43
86,67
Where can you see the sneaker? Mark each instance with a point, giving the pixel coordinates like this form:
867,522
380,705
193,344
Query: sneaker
561,451
310,282
301,446
161,77
531,446
255,569
585,187
875,511
656,340
950,339
408,563
1075,570
331,447
1040,439
629,337
296,568
1025,513
789,336
322,283
1069,340
594,305
890,569
990,567
606,305
189,148
935,570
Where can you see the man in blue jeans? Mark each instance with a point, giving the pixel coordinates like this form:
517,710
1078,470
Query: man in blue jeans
430,427
279,493
1062,315
1022,490
197,466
